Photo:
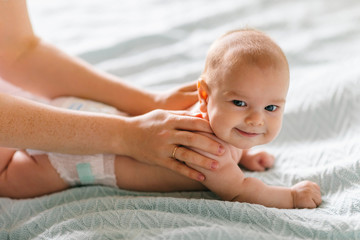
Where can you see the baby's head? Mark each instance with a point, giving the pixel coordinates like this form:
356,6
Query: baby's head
243,88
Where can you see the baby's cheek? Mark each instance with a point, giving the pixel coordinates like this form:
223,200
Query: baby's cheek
219,130
273,133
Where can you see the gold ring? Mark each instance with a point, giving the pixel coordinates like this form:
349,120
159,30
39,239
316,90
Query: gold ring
174,151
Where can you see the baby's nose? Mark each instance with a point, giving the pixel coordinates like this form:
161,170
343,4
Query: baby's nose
254,119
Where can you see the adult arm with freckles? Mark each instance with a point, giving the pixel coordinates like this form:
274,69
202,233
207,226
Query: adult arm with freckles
150,138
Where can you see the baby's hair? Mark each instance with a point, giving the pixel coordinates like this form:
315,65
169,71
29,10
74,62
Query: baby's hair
249,46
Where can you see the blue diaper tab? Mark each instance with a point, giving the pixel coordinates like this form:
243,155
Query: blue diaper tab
85,173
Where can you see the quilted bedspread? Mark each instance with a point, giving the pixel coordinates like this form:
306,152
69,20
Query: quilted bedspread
319,141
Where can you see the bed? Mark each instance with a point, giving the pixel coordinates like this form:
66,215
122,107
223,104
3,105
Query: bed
159,44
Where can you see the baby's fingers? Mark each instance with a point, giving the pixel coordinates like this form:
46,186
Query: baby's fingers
312,204
317,195
266,160
256,166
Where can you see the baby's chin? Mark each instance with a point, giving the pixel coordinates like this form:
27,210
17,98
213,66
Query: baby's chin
245,143
241,142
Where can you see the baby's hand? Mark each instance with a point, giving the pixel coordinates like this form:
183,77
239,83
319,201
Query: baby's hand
306,194
257,162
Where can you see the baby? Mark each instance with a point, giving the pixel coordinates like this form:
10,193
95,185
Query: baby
242,93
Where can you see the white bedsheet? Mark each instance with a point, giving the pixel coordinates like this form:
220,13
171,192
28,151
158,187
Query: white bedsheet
158,44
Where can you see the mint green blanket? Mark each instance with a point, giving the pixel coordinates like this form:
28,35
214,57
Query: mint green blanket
317,143
106,213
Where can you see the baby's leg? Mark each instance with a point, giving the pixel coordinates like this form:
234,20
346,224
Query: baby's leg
5,157
26,176
134,175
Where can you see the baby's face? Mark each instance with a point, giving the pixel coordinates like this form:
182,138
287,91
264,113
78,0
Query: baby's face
246,108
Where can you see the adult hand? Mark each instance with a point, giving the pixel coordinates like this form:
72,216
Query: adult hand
162,137
179,98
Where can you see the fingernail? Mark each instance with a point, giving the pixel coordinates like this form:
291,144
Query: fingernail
214,165
221,149
201,177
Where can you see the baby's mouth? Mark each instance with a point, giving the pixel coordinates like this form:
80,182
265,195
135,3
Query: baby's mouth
247,134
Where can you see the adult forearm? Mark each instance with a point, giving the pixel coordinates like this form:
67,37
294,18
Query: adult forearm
46,71
26,124
36,66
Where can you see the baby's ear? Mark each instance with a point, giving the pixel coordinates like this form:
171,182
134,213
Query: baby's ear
203,94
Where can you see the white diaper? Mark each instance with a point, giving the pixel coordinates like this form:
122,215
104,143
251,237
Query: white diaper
80,104
83,169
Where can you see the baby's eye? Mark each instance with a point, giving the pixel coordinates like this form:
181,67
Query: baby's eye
271,108
239,103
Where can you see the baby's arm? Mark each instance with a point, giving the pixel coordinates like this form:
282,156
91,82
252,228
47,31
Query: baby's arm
305,194
230,183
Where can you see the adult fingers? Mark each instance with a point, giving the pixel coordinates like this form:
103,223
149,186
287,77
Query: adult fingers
184,154
199,141
189,87
184,113
188,99
183,120
191,96
184,170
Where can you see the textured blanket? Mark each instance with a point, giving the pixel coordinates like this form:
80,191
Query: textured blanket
162,44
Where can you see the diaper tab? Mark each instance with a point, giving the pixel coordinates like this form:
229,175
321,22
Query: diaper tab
85,173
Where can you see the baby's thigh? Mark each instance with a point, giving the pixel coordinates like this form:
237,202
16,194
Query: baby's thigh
29,176
137,176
